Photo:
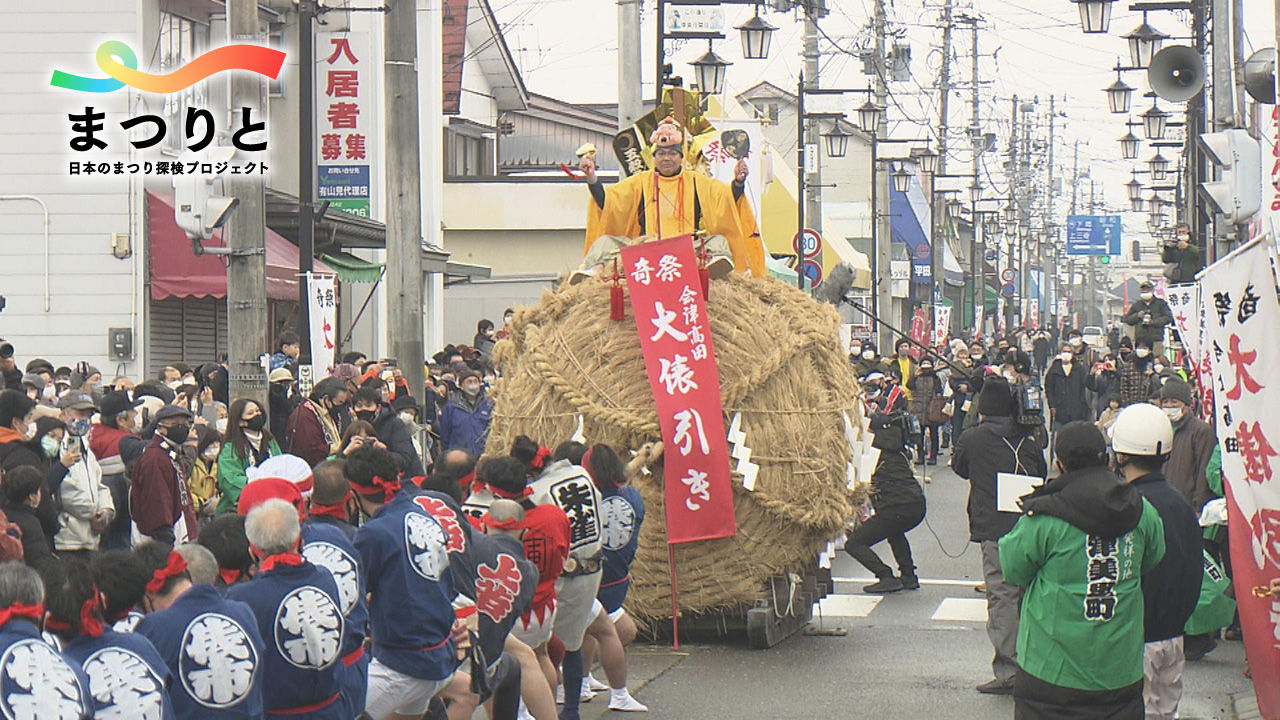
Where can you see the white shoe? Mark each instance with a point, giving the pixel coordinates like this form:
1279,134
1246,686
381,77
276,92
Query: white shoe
621,701
587,694
594,685
560,694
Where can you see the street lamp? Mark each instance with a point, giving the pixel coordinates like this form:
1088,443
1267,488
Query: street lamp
901,179
837,141
869,117
1119,95
1159,166
1136,204
1144,43
1095,15
928,160
757,35
1129,145
709,71
1154,121
1134,188
975,193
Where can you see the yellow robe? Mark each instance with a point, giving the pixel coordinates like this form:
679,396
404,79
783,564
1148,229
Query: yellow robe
674,214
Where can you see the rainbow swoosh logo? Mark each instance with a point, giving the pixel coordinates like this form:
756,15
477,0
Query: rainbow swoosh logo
119,62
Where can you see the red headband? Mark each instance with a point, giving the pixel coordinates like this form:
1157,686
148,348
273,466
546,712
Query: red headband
18,610
173,568
337,511
540,459
512,524
499,492
89,623
389,487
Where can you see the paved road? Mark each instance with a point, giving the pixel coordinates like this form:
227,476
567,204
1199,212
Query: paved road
909,655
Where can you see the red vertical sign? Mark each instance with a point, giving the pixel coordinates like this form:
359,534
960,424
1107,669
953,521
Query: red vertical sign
675,336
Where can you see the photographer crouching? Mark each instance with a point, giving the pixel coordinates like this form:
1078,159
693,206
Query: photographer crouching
897,501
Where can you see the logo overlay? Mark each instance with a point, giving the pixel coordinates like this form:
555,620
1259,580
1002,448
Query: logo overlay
119,62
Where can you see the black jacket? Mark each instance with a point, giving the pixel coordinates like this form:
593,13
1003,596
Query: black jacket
390,429
17,454
1172,589
1153,332
893,484
1065,393
1093,500
35,546
980,453
1106,384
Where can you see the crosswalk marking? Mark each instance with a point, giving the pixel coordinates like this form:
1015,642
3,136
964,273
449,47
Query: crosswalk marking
963,609
855,606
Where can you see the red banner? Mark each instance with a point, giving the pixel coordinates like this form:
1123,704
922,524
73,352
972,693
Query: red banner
675,336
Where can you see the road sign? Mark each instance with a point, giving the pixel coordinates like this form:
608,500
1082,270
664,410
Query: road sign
807,243
1007,290
1093,235
813,271
1007,275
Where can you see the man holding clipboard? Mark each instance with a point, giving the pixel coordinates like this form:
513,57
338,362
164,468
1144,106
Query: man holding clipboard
1001,461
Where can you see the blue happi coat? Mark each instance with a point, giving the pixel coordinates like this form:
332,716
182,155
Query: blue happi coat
127,677
36,681
406,563
326,545
299,615
212,646
622,510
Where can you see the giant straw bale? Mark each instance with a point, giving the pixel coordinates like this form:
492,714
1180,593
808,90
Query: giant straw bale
781,367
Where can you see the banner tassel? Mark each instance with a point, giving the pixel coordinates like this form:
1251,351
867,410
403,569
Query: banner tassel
675,601
617,303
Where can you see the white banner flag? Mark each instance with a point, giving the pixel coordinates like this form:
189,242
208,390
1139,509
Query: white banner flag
322,290
1184,301
941,323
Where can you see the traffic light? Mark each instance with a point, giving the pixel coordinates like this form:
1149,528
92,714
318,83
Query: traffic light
1238,194
1106,259
196,209
1137,251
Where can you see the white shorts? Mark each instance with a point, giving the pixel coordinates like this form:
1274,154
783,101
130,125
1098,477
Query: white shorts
391,692
536,632
576,608
616,615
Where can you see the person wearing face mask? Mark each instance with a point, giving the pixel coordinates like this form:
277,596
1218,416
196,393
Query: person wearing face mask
1104,382
19,447
926,402
87,378
116,443
247,444
1193,444
1083,351
484,339
159,500
1141,440
203,480
1080,637
281,400
1135,372
312,433
505,332
465,418
85,505
389,429
1148,315
867,361
1181,257
1064,387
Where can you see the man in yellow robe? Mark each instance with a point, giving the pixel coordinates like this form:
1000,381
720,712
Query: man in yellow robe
686,201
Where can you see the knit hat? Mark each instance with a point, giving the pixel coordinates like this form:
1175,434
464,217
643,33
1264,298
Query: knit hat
996,398
1176,389
1078,441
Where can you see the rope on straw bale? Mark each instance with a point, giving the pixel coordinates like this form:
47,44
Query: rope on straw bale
781,367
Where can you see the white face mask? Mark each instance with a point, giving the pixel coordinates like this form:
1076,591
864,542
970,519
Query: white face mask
1076,342
1142,352
1175,414
1147,296
868,354
1065,357
221,425
211,452
406,418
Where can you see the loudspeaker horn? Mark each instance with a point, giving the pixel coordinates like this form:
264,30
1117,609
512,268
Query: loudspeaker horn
1176,73
1260,76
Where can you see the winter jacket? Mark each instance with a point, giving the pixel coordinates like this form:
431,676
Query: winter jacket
82,494
16,452
232,467
116,450
311,434
1152,332
1080,551
1172,588
864,367
1065,392
203,485
922,389
1189,262
1106,420
464,422
1135,384
158,497
1106,384
483,344
1193,444
390,429
902,370
995,445
35,546
282,405
893,485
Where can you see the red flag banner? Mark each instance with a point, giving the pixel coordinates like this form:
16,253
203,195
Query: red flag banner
1241,314
675,336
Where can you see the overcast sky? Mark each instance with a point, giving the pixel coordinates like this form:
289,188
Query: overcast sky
1031,48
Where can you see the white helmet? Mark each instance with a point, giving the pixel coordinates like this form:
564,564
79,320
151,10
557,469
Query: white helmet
1142,429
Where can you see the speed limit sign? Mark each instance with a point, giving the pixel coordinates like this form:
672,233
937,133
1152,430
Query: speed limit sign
1007,275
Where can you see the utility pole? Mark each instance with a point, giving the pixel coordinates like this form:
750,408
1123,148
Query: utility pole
880,207
404,192
1011,228
813,181
306,175
1223,98
247,263
630,88
977,255
1075,192
936,239
1050,230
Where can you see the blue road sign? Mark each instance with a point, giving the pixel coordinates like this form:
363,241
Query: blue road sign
1093,235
